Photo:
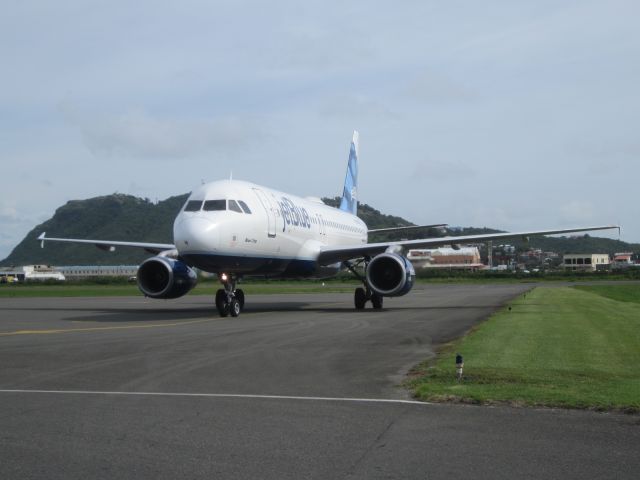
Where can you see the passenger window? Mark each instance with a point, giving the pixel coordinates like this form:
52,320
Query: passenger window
193,206
215,205
244,206
234,206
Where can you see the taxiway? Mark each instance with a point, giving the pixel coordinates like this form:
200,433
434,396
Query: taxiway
299,386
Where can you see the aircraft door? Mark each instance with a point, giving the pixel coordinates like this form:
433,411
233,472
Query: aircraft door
270,211
321,225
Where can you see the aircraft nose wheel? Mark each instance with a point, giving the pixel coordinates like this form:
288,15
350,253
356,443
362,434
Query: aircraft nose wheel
229,300
240,296
234,307
221,302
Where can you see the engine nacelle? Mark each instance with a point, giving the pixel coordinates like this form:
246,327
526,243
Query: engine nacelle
162,277
390,275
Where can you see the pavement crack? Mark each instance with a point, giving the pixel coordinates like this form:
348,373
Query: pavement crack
375,444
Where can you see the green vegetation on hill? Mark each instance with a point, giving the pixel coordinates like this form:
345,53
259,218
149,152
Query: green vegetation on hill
372,217
579,244
125,217
111,217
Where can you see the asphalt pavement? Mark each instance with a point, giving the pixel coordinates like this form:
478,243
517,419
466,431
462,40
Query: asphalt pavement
299,386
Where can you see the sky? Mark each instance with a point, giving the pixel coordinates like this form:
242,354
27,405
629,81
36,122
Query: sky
512,115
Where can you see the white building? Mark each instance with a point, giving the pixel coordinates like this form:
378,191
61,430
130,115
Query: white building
586,261
89,271
41,272
78,272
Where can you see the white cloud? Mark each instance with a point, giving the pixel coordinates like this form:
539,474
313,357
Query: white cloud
515,107
577,211
14,225
355,105
435,170
138,134
8,213
434,87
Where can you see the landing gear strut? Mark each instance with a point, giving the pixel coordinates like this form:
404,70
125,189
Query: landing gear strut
362,295
229,300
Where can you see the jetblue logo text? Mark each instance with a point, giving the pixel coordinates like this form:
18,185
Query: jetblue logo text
293,215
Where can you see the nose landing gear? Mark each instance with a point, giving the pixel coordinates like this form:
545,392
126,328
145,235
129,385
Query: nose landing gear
229,300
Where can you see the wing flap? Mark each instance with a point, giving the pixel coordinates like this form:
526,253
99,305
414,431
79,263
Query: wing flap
405,228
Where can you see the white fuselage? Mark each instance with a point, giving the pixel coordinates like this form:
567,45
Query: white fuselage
238,227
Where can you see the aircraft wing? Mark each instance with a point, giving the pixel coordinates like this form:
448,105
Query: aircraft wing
405,228
110,245
329,255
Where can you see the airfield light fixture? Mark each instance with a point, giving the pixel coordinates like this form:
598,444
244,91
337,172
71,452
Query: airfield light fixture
459,366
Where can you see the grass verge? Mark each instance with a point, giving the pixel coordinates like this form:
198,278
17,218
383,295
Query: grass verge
621,293
28,290
556,347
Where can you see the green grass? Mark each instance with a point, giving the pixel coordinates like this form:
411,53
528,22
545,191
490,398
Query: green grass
28,290
557,347
621,293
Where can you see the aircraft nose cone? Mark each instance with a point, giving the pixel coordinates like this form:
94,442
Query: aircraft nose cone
195,234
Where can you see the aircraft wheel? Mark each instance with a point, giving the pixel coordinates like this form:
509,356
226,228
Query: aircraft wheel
223,310
234,307
240,296
376,301
221,300
360,298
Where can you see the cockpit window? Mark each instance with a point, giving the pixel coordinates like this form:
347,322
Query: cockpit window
193,206
234,206
213,205
244,206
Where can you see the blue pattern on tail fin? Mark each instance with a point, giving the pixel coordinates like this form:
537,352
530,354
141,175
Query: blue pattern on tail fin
349,202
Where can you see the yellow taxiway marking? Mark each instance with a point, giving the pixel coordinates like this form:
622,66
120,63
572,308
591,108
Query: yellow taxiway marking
94,329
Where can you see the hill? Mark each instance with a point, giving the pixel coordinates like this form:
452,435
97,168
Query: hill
111,217
125,217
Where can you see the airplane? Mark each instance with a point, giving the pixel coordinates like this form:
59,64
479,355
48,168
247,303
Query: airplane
239,229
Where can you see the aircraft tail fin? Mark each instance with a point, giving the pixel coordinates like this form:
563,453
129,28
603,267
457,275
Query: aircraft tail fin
349,202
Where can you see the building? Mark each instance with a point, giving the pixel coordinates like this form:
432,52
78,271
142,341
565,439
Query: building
466,258
30,273
78,272
11,275
586,261
625,260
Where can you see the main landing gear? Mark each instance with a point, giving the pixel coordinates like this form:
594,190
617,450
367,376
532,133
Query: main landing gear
229,300
363,295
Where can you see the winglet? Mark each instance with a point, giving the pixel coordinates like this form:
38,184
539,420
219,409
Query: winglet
42,239
349,202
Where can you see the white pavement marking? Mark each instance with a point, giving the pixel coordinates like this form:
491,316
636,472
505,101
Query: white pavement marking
222,395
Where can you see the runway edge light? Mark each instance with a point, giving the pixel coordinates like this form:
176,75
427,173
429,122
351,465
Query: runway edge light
459,366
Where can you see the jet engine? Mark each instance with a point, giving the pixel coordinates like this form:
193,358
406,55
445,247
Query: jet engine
162,277
390,275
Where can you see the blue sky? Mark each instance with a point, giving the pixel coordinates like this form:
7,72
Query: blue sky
513,115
